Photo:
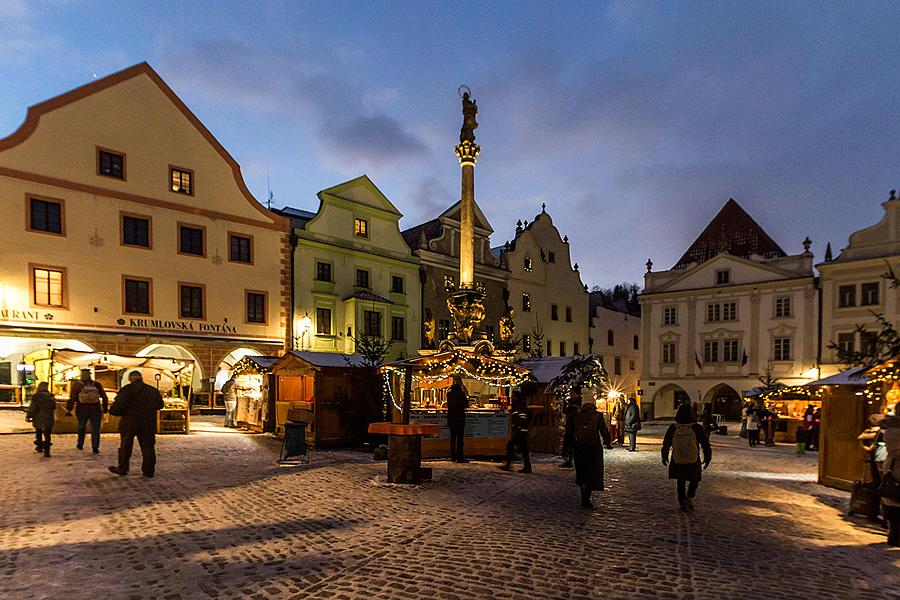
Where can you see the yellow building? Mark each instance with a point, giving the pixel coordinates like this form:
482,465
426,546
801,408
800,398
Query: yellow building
355,277
128,229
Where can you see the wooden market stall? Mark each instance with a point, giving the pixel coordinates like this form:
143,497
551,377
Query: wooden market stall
172,377
255,393
845,410
488,382
327,391
790,404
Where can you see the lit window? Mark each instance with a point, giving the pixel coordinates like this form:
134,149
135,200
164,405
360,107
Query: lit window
526,303
526,343
528,265
48,287
182,181
361,228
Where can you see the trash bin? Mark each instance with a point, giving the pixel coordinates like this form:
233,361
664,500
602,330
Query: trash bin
294,449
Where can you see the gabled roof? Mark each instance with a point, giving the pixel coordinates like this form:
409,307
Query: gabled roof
36,111
732,231
361,190
299,217
453,214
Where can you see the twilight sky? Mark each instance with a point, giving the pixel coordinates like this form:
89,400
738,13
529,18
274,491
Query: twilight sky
635,122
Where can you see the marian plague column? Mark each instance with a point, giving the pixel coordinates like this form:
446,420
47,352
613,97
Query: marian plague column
466,302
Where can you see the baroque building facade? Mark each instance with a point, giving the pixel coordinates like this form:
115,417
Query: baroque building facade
549,300
734,311
354,275
128,229
615,337
436,245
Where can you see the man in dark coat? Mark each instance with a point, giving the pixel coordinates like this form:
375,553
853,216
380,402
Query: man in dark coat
89,406
683,438
632,423
589,432
137,404
570,411
457,403
520,421
41,413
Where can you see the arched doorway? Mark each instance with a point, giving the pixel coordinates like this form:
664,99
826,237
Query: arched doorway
175,351
725,401
223,371
666,401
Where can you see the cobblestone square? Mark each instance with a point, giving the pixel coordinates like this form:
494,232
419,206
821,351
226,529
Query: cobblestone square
221,520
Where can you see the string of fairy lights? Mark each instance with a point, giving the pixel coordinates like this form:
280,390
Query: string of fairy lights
792,392
887,373
465,364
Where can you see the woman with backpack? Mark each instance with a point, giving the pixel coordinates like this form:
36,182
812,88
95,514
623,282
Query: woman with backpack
589,431
683,439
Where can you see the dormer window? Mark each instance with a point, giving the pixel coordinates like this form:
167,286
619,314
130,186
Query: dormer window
723,276
361,228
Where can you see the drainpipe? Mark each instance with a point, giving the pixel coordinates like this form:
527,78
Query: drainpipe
818,285
290,320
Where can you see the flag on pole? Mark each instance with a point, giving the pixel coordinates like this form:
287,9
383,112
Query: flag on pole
698,361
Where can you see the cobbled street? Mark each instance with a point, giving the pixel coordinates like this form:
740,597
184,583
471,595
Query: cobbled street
222,520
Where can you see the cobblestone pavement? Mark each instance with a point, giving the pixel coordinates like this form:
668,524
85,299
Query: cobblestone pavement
221,520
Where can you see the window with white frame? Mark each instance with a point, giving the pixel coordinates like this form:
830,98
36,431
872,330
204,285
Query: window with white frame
711,351
868,295
783,306
846,341
721,311
782,348
729,350
723,276
670,315
668,353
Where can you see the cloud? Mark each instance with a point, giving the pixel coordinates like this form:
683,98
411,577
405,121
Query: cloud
22,41
353,131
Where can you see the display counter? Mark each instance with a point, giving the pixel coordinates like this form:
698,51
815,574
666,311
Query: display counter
175,417
486,433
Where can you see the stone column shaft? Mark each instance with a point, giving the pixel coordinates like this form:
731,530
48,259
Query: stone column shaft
467,227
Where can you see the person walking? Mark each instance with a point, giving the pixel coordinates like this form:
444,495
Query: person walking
707,418
41,413
136,406
817,424
745,412
457,403
620,420
520,421
632,423
872,442
753,427
683,440
572,406
589,431
808,425
890,498
229,395
88,398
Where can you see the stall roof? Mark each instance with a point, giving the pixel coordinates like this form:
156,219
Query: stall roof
76,358
328,359
262,362
855,376
546,369
465,363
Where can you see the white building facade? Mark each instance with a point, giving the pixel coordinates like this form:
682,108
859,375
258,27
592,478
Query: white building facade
735,310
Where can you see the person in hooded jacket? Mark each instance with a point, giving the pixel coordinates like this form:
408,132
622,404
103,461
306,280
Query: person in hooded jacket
589,432
632,423
41,413
680,451
890,427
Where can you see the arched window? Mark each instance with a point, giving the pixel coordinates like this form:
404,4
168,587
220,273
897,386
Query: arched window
635,342
610,338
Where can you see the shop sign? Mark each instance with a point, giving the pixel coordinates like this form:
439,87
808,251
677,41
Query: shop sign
186,326
479,425
12,314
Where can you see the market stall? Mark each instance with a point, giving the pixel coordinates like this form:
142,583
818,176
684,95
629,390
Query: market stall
255,392
170,376
487,381
790,404
327,391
